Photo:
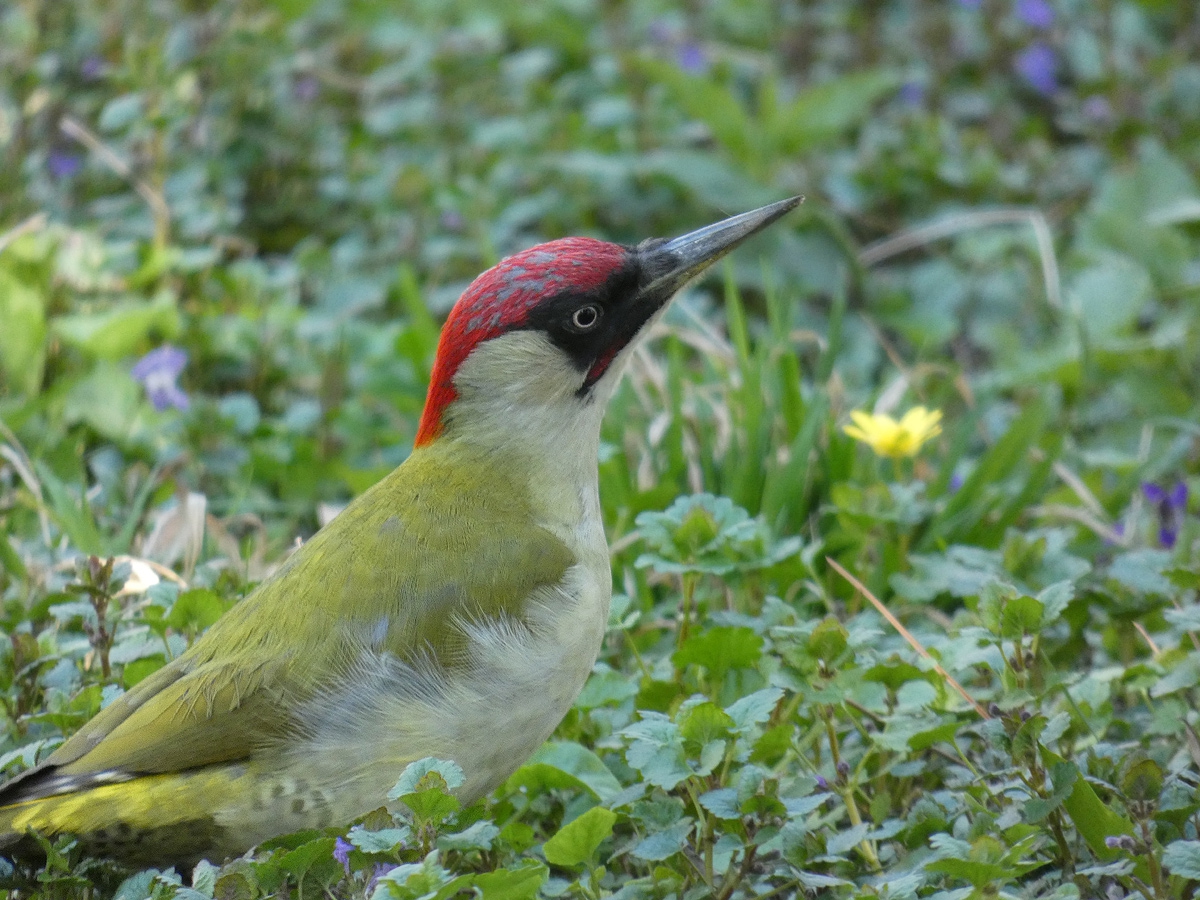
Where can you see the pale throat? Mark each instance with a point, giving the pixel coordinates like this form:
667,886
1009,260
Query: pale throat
519,404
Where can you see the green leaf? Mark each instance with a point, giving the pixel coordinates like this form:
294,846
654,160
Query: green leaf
1183,675
577,841
980,874
11,559
1142,571
1124,208
235,885
606,687
140,669
1055,727
712,179
973,502
413,778
1092,818
426,786
822,112
722,802
478,836
137,887
703,721
108,400
1063,776
195,611
1182,858
1021,616
720,649
1025,741
1111,294
840,842
514,882
828,641
656,750
204,877
1142,778
121,330
564,764
923,738
120,112
73,516
1186,579
315,858
385,840
23,337
754,709
665,843
413,881
894,673
712,103
709,534
1054,600
815,881
1182,210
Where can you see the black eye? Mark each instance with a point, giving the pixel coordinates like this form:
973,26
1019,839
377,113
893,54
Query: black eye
585,318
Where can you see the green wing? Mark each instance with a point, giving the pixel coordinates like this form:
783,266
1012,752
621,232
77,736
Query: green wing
379,569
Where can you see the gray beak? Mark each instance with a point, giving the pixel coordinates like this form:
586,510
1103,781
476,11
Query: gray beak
681,259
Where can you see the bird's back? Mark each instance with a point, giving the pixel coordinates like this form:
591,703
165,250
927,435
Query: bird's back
303,704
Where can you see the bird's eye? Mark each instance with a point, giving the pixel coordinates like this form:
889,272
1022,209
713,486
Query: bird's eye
585,318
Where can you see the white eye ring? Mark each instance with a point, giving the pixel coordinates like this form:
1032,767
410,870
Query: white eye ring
586,317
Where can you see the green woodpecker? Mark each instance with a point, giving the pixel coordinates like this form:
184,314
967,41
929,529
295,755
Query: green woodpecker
453,610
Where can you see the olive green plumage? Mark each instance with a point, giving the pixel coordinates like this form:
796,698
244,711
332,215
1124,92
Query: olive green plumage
204,723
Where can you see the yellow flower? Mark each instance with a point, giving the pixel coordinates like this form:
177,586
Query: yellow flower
887,437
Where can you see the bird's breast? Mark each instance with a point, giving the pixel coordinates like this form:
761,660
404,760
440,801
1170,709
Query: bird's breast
489,713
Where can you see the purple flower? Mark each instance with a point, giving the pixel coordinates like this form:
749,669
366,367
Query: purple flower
452,220
1097,109
1036,13
692,58
378,872
956,483
1038,66
157,371
341,852
306,88
1171,506
912,93
63,164
92,68
661,32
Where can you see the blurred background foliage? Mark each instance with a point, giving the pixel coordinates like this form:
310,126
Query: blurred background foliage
229,230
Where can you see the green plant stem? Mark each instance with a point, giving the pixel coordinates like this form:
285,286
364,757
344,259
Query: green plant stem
847,793
706,832
1064,851
685,609
782,889
831,732
732,879
1156,873
637,656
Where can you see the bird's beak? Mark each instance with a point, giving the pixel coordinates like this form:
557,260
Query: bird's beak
666,266
677,261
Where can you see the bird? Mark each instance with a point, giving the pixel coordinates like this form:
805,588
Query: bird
452,610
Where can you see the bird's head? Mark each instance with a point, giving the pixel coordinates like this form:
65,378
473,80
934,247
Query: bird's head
536,343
